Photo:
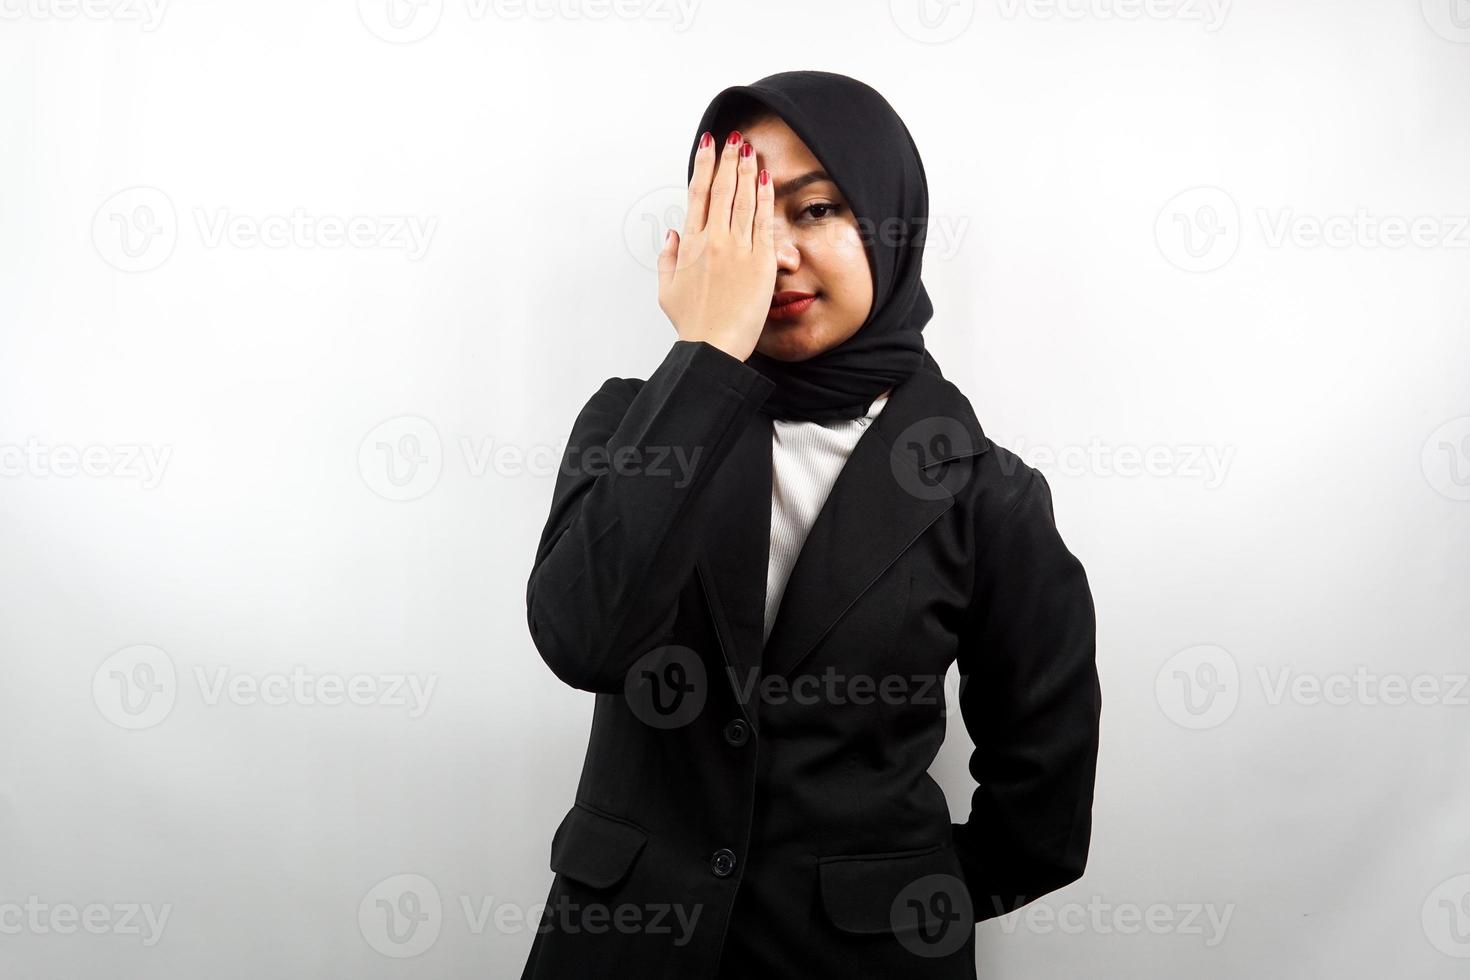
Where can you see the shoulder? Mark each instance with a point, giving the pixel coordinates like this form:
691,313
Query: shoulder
1000,480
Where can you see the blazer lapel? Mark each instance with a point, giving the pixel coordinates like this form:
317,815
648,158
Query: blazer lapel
891,489
736,548
888,492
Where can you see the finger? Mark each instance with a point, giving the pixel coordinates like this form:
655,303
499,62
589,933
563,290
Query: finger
704,169
742,212
764,231
722,189
668,258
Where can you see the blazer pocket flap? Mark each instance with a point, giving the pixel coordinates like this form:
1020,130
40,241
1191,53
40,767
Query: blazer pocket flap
902,892
594,848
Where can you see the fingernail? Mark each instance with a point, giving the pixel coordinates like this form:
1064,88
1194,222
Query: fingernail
765,177
747,149
734,137
705,140
668,235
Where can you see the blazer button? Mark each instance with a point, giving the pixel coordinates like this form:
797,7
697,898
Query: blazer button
722,863
737,733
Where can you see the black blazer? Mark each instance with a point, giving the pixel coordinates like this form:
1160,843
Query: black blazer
788,828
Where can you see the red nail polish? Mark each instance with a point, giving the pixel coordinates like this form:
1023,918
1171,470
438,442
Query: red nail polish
734,137
705,140
765,177
747,149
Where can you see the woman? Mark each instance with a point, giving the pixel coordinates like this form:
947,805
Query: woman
768,626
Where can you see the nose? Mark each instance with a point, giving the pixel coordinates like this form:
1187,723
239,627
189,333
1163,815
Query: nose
788,256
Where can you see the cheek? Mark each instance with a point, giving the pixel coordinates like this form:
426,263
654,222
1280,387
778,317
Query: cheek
837,253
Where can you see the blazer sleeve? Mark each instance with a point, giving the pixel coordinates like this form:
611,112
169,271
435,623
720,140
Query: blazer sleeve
623,531
1030,698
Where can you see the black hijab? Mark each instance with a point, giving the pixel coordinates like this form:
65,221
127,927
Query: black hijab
867,150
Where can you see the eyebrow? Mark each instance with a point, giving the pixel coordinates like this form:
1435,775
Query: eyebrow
797,183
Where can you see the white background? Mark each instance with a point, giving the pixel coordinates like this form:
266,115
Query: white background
1122,260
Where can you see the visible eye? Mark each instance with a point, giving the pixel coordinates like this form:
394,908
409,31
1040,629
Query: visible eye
827,209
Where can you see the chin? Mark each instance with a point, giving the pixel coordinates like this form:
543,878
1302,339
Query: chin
783,342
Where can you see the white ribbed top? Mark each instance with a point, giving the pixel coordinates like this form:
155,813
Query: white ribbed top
805,460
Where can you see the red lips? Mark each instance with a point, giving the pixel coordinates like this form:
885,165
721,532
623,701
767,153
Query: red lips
789,296
789,304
